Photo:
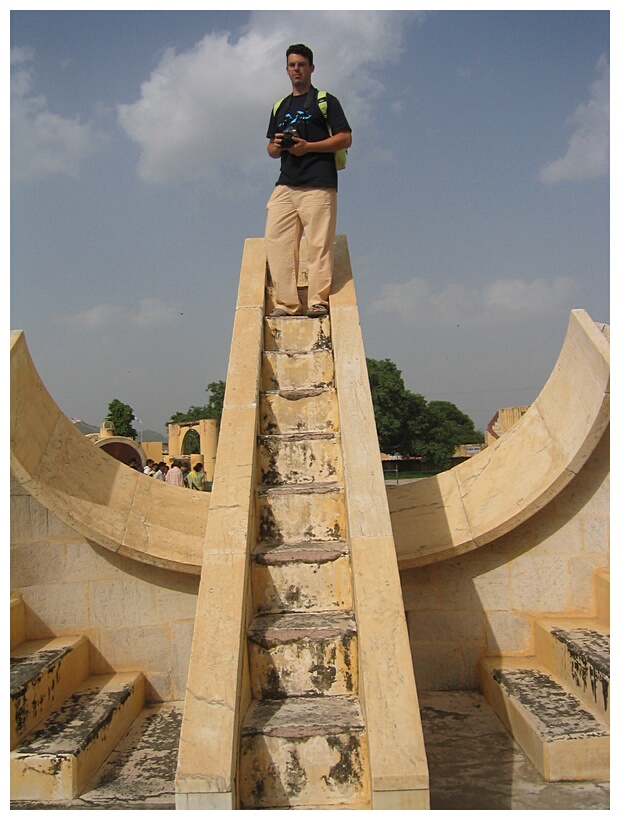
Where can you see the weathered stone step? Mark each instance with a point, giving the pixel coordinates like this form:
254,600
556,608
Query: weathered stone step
43,673
140,771
311,552
561,736
282,334
307,512
56,761
299,458
576,651
300,654
304,752
299,411
297,577
294,371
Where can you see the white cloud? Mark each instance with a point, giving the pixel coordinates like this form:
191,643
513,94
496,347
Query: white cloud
151,314
43,143
202,112
503,301
587,156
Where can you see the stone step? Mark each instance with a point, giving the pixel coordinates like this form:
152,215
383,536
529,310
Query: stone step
299,411
300,654
18,621
43,673
295,371
307,512
576,651
601,588
140,771
304,753
302,576
562,737
56,761
300,336
299,458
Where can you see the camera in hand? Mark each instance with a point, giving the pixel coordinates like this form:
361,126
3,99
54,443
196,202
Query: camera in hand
287,140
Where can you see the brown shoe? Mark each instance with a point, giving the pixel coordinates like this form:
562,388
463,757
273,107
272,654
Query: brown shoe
317,310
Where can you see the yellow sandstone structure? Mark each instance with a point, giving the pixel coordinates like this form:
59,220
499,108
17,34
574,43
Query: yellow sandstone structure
292,615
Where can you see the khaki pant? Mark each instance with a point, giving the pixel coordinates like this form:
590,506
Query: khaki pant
290,212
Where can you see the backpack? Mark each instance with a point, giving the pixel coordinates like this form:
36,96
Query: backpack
321,98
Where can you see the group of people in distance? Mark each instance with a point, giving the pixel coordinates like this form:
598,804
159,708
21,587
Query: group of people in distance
180,473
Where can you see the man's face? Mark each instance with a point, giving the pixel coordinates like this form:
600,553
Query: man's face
299,70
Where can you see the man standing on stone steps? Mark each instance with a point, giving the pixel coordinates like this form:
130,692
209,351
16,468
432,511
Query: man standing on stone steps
305,196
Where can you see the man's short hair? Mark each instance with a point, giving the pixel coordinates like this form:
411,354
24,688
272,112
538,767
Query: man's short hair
300,48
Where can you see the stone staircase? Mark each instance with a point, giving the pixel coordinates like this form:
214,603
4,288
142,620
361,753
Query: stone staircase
303,739
556,704
65,722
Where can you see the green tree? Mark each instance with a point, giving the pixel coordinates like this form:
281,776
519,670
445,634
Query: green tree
215,405
121,415
455,422
409,425
211,410
392,405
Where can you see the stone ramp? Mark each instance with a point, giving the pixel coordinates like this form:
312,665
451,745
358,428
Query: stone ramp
301,692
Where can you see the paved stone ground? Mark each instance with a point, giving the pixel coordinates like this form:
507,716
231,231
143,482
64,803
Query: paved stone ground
473,764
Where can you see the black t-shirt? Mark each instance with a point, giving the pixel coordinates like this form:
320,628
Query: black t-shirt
317,170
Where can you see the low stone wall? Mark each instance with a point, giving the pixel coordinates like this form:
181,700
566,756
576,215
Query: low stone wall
485,602
136,616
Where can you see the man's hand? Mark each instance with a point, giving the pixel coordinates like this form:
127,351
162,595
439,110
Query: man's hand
300,147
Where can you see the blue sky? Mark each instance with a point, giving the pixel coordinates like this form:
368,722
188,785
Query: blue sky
475,200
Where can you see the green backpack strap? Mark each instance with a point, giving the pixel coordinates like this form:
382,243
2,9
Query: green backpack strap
340,156
279,103
321,99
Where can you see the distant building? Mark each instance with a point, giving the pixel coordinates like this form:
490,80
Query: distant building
503,420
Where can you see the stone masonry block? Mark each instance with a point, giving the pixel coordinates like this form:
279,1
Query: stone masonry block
540,584
28,519
447,627
37,562
61,609
507,633
121,603
438,667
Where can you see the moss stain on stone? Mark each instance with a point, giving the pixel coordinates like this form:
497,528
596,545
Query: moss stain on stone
348,769
296,778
